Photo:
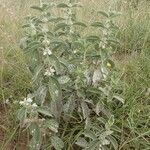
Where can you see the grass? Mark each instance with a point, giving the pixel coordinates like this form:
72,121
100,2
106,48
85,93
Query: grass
133,58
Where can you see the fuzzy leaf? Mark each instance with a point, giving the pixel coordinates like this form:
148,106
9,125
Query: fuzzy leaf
45,111
36,140
56,108
113,141
57,143
52,125
53,60
37,8
62,5
110,122
94,145
82,142
60,26
40,95
80,24
63,79
69,106
54,89
90,134
102,120
93,38
100,108
98,24
104,13
21,114
85,110
38,70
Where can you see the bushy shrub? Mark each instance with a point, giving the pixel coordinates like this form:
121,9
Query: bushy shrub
75,82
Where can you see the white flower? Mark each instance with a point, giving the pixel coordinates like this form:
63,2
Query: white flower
34,105
52,70
7,101
105,32
71,31
74,51
103,46
26,102
46,42
29,100
105,142
70,5
56,92
21,102
47,51
49,72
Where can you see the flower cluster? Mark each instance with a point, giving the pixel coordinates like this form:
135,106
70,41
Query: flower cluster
49,71
27,102
47,51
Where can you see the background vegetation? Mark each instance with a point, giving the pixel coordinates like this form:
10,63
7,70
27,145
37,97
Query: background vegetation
132,59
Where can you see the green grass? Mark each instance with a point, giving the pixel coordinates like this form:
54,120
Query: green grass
133,60
135,113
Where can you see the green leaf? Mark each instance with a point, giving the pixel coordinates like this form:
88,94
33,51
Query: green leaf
104,90
110,122
77,45
63,79
60,26
37,8
93,38
76,5
114,14
113,141
54,89
101,108
35,143
90,134
53,60
56,108
87,123
26,26
62,5
57,143
82,142
102,120
52,125
85,110
93,90
119,99
98,24
45,111
69,106
94,145
56,20
80,24
21,114
37,72
40,95
104,13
